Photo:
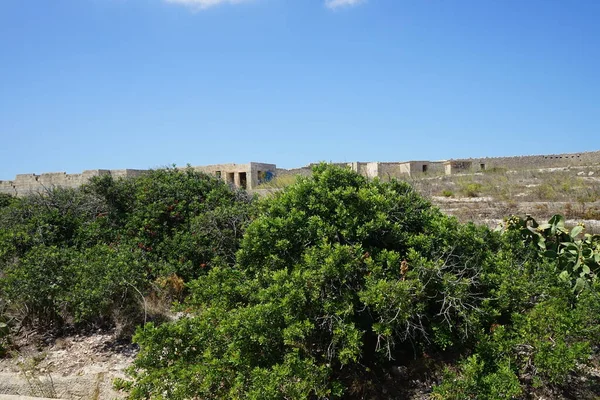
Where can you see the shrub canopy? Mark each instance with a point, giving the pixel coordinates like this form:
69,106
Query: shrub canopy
336,276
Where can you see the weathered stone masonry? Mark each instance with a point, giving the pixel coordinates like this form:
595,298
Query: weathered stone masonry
27,183
246,176
250,175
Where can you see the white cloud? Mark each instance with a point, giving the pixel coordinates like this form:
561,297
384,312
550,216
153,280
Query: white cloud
203,4
333,4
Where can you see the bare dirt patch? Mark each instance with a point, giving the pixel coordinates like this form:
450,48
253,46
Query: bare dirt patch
76,367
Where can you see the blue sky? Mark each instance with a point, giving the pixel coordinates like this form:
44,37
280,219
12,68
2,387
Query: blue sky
90,84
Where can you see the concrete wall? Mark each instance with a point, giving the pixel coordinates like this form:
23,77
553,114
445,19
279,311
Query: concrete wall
23,184
535,161
390,170
248,176
455,166
31,183
261,173
425,167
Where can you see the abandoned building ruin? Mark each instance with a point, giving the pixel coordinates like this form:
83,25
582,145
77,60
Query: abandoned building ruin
246,176
249,176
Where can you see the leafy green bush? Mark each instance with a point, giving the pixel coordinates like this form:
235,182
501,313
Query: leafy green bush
577,254
336,275
544,331
105,282
179,218
88,255
6,200
475,381
34,287
470,188
4,331
539,348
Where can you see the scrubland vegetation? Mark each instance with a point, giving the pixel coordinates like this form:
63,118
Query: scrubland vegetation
496,193
336,287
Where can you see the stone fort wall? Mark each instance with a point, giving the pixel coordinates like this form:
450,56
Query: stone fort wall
28,183
252,174
247,176
536,161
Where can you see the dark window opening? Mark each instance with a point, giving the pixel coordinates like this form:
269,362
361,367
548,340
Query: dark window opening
482,167
243,181
218,174
230,178
424,167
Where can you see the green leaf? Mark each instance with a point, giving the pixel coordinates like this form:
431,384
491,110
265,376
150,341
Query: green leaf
579,285
585,270
576,231
564,276
557,220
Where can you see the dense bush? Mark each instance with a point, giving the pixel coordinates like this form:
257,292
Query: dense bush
553,324
336,277
91,255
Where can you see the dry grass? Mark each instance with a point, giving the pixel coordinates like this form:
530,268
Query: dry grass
279,182
574,192
489,196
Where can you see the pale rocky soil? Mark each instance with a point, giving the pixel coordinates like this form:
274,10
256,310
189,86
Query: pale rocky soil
491,212
71,368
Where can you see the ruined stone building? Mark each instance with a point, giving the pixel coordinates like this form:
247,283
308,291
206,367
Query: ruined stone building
249,176
246,176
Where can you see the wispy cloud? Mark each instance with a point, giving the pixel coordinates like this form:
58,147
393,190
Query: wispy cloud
334,4
203,4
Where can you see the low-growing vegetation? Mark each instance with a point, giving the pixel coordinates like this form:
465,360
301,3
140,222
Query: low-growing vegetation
336,287
89,256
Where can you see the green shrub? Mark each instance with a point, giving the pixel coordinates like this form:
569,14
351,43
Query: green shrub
6,200
180,219
89,256
470,188
545,191
335,275
475,381
105,282
576,254
542,347
35,286
5,339
544,331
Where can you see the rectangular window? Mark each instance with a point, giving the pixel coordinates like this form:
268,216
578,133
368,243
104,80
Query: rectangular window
243,181
218,174
424,168
231,178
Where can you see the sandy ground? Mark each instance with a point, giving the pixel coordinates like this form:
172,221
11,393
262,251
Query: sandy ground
78,367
